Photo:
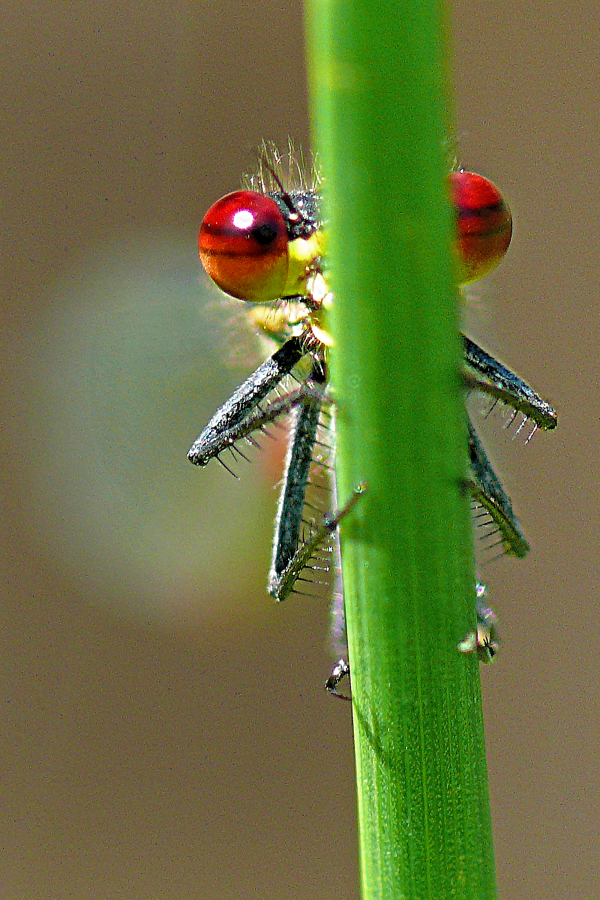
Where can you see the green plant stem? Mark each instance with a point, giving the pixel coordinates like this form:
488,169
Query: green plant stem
378,78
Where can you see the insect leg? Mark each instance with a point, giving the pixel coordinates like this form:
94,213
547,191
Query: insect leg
486,489
217,435
484,638
281,581
337,620
288,523
484,373
340,671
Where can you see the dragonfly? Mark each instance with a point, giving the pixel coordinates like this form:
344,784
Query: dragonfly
265,245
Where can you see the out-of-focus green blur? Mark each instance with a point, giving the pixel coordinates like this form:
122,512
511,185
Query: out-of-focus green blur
133,352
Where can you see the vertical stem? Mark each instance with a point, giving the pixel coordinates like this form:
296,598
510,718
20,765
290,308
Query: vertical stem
378,78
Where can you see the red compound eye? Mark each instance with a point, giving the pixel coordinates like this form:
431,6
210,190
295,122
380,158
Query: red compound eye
244,246
484,225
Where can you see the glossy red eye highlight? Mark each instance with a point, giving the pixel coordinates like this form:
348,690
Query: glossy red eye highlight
243,246
484,224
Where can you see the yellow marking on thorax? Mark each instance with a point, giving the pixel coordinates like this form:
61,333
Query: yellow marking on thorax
303,252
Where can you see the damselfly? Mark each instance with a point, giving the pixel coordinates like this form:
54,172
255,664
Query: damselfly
265,245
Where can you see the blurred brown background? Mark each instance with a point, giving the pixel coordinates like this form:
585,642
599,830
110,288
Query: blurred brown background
164,729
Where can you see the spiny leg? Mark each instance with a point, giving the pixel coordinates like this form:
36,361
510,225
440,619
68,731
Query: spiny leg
484,373
282,586
261,416
291,553
486,489
288,523
227,425
243,415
